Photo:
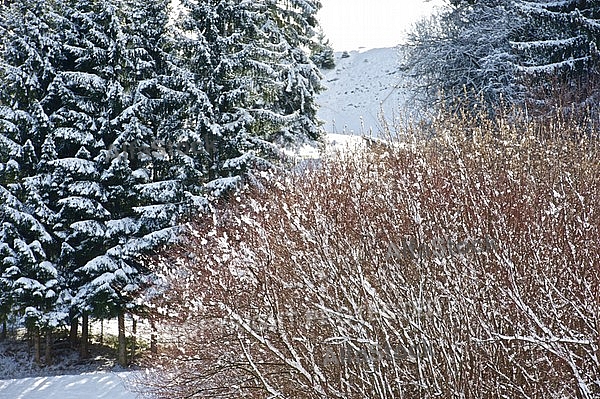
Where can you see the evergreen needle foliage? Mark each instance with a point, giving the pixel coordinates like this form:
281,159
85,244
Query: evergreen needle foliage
116,123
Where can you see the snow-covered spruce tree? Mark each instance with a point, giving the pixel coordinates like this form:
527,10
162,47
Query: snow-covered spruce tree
301,80
157,127
222,51
322,52
558,53
462,56
108,175
260,83
29,280
82,99
156,156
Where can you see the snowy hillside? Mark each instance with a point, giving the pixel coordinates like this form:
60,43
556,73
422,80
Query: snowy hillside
359,88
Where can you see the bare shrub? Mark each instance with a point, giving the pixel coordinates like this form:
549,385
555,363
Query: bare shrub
465,266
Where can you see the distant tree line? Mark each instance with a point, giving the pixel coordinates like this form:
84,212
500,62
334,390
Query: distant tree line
82,82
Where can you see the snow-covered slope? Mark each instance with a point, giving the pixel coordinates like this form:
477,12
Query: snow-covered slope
359,88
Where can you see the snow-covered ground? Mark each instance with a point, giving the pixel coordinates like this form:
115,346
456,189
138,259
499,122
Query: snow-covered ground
360,89
68,377
334,143
97,385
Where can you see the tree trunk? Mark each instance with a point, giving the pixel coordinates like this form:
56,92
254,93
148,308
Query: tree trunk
122,351
83,349
3,333
48,352
133,338
73,331
153,339
102,332
36,346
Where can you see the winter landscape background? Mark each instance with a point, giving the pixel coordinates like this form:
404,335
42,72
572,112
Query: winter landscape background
209,201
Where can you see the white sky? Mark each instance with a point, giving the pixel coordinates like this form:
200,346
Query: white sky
352,24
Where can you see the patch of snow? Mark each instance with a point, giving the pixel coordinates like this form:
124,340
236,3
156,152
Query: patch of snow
342,142
363,87
75,135
334,143
162,191
218,186
92,385
76,165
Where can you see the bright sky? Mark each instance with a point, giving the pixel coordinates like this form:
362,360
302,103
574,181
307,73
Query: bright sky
352,24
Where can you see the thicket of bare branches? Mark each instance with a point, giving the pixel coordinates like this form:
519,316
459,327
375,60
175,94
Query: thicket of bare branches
466,266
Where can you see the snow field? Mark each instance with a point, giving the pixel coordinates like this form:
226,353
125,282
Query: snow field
361,89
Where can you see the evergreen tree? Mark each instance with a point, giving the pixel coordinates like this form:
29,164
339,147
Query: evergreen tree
121,166
322,52
300,78
220,49
559,37
558,55
259,81
29,280
83,99
157,133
